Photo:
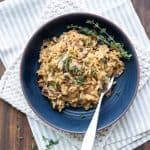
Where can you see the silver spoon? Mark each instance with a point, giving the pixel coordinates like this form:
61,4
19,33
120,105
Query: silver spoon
89,137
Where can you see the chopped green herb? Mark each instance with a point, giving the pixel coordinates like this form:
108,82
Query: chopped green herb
93,72
82,116
66,64
49,143
73,70
117,93
80,79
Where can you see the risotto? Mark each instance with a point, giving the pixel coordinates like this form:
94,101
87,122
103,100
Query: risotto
75,68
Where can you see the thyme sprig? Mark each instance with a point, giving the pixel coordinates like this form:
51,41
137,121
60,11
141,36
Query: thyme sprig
83,30
49,143
103,37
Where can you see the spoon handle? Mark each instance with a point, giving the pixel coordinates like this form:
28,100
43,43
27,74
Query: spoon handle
91,131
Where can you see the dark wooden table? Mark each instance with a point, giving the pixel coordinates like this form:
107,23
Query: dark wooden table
15,133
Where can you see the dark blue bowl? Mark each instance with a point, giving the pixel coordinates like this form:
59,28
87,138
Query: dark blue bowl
112,109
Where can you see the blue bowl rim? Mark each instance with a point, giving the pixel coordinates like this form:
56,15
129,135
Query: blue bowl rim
101,18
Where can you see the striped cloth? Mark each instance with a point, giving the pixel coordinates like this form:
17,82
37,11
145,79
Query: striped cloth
18,19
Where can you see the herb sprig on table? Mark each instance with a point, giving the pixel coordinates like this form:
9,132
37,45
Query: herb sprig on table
103,37
49,143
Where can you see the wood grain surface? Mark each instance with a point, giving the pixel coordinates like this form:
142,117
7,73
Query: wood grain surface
15,133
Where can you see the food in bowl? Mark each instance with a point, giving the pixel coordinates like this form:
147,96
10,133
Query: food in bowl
76,66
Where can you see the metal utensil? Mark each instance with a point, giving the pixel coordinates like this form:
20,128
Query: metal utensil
89,137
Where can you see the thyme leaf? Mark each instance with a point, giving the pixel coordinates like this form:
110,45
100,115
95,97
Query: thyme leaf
93,72
66,64
73,70
83,30
80,79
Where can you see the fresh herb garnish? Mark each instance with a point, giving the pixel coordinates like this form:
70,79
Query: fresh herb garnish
49,143
66,64
102,36
108,39
119,46
80,79
117,93
83,30
33,146
82,116
93,71
73,70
